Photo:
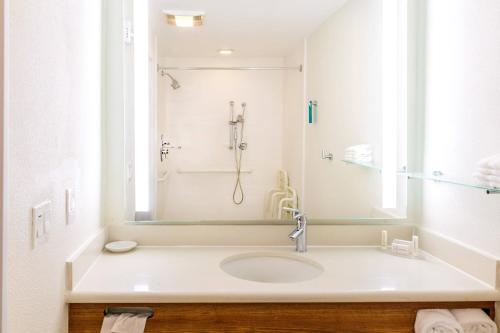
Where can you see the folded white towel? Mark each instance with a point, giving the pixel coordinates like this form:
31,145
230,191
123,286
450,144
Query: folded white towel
124,323
492,162
487,180
474,321
356,151
492,179
489,171
362,147
360,160
358,156
436,321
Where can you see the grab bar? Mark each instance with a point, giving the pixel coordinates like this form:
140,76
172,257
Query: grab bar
136,311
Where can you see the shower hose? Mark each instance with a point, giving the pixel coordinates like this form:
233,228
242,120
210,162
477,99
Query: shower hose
238,193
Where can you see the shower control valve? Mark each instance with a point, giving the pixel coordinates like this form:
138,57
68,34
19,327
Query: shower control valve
165,148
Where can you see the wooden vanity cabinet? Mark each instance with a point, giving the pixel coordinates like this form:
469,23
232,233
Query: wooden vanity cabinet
271,317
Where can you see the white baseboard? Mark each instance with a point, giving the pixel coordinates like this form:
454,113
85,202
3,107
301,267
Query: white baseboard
80,261
255,235
470,260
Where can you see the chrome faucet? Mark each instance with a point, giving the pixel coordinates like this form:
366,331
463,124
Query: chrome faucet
299,234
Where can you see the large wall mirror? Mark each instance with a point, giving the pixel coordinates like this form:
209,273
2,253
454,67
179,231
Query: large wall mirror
240,109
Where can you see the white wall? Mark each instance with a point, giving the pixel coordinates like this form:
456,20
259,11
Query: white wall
344,76
462,117
196,117
3,87
54,135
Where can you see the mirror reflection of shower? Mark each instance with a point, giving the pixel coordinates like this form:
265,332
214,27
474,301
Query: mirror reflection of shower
237,143
175,84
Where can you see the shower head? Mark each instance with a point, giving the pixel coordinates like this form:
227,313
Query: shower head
175,84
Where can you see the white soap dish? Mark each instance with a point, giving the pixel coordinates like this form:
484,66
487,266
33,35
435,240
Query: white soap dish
120,246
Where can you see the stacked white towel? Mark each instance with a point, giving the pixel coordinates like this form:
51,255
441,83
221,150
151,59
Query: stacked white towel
454,321
359,153
436,321
474,321
488,171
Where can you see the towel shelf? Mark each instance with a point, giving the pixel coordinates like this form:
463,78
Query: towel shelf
439,177
132,310
436,176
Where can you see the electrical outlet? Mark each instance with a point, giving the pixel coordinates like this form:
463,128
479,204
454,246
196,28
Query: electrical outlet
40,222
70,206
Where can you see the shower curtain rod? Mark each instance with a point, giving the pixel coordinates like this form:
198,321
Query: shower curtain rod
298,68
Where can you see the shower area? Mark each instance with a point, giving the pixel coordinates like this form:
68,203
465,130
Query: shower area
222,137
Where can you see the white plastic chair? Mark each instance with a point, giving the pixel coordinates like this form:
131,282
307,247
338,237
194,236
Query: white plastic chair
291,201
277,193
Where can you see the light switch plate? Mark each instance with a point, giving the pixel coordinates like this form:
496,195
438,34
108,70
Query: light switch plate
40,222
70,206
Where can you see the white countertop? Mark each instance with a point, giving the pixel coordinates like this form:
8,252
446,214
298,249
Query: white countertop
351,274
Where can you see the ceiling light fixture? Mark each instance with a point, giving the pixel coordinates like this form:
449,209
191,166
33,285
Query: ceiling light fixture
226,51
184,18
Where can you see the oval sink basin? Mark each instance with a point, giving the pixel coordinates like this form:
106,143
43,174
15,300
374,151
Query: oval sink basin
271,267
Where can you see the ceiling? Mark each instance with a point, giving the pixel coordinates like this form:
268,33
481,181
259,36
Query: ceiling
253,28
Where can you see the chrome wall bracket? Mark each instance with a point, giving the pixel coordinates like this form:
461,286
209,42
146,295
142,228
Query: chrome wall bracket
326,155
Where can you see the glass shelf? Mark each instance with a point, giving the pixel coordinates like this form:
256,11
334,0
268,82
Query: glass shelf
364,165
438,177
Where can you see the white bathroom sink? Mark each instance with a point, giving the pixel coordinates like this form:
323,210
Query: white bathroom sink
271,267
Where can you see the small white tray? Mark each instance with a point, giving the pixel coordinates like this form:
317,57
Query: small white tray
120,246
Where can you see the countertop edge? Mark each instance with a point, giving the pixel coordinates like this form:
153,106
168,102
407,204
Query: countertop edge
347,297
